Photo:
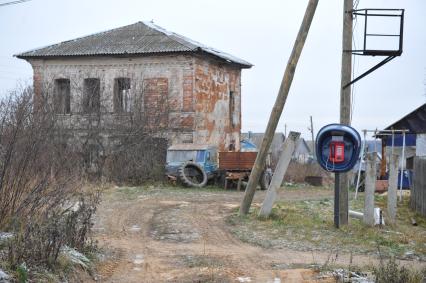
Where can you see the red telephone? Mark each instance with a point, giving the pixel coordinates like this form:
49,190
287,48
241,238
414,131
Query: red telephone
337,151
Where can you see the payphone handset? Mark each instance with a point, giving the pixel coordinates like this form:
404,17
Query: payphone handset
337,150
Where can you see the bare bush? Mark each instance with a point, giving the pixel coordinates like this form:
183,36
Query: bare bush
34,165
137,159
118,139
39,179
392,272
39,241
297,172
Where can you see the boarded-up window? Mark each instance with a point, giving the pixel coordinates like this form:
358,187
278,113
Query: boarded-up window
231,109
155,102
91,96
62,96
122,98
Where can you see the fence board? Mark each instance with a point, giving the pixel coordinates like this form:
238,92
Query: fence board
418,191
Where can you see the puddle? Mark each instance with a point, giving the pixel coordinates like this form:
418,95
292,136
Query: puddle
138,259
135,228
244,279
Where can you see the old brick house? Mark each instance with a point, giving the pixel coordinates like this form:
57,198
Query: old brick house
185,90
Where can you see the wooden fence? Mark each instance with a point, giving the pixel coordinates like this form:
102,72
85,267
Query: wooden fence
418,191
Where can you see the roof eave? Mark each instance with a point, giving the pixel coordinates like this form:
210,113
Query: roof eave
201,52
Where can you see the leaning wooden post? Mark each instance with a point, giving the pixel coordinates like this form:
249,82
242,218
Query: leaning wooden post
278,107
277,179
393,186
370,186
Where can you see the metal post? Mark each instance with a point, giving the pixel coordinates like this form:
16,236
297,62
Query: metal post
393,140
313,138
336,200
360,164
402,166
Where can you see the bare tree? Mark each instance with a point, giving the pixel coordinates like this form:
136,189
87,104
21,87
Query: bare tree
39,180
115,130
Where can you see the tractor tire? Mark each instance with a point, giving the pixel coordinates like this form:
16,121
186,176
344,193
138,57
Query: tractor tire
192,175
265,180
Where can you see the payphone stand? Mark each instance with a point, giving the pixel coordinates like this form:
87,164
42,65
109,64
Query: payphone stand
336,200
337,148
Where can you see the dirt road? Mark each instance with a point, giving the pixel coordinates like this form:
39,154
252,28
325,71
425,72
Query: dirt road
181,235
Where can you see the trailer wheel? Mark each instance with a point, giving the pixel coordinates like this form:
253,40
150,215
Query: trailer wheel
192,175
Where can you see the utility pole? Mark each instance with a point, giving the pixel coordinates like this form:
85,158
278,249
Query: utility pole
278,107
341,182
313,139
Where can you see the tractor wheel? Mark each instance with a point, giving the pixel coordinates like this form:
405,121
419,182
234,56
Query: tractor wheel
192,175
265,180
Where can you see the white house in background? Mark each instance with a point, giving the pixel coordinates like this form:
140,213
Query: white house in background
302,152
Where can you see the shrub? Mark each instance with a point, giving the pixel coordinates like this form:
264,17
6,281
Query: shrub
392,272
40,178
38,241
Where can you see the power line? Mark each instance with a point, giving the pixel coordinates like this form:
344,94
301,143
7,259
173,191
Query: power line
13,2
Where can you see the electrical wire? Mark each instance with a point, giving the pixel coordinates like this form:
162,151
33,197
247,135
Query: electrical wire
13,2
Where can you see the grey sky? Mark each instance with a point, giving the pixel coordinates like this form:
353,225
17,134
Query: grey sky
261,32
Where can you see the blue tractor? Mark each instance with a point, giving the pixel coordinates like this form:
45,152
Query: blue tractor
192,164
195,164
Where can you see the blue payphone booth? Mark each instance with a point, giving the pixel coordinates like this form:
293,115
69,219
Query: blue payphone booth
337,147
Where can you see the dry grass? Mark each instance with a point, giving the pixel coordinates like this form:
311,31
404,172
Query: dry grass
308,225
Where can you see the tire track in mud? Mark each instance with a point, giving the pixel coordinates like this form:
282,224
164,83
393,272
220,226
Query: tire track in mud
181,238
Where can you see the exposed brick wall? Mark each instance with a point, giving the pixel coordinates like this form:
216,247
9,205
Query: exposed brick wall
213,84
155,92
185,96
188,103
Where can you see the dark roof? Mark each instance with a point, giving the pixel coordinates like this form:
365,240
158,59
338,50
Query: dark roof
415,121
140,38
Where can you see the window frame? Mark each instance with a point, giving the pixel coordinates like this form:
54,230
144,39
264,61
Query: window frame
91,101
62,98
122,95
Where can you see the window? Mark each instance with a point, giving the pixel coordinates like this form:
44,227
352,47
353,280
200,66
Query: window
231,108
62,97
91,96
122,99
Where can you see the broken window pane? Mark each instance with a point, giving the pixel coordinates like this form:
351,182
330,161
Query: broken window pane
62,96
91,96
122,98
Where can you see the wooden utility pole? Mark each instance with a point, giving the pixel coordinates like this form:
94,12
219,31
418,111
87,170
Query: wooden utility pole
341,182
278,107
287,151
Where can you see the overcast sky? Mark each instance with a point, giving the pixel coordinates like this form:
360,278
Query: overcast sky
261,32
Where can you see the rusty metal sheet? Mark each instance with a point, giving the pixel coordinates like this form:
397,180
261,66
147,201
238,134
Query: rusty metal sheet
230,160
